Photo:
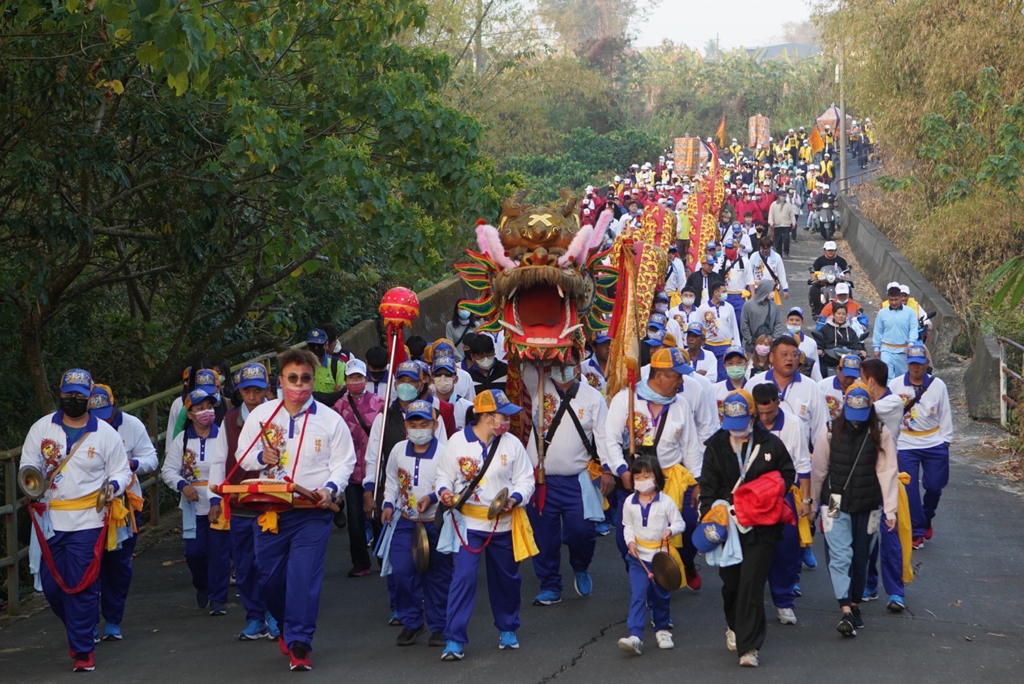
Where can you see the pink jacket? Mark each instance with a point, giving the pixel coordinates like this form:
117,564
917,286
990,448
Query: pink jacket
369,405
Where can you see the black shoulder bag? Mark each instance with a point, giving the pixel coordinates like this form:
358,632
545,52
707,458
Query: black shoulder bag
441,508
918,393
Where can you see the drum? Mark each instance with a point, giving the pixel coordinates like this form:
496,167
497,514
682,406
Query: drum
262,495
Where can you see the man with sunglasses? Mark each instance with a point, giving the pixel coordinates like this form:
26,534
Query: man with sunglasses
296,439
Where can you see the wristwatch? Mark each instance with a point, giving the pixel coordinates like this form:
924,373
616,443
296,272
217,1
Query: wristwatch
807,502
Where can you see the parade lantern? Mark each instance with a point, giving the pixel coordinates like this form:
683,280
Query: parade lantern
758,129
687,156
704,208
399,308
830,117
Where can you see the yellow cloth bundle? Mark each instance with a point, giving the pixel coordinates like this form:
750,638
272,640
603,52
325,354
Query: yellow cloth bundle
523,544
904,528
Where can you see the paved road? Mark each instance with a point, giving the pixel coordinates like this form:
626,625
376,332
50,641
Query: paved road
965,618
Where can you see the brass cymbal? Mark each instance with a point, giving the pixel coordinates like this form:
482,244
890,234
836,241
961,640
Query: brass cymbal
668,572
101,496
32,482
498,504
421,548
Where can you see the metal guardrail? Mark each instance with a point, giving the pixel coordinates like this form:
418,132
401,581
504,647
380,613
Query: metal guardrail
1005,401
14,554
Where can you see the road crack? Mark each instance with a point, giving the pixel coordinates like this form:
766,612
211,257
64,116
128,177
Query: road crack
581,651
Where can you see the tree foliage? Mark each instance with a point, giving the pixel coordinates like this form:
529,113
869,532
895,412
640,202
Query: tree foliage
174,175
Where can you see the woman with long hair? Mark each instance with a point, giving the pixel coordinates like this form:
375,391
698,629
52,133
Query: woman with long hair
462,324
760,360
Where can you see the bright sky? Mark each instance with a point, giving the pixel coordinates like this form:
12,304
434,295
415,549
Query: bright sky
746,23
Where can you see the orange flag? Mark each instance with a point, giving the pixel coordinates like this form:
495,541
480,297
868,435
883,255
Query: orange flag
721,133
817,144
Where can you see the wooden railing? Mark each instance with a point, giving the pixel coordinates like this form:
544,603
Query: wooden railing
1006,402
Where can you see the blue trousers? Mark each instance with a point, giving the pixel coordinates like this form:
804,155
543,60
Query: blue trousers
690,516
417,595
72,553
503,585
291,571
737,306
719,351
895,360
209,558
891,553
930,467
116,578
644,592
247,580
784,573
561,523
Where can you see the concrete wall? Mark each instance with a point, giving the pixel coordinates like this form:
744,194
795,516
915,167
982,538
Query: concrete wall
981,381
883,263
436,304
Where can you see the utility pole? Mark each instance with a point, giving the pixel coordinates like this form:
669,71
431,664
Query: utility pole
844,183
478,42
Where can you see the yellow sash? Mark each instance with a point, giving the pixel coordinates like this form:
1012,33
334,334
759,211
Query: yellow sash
82,503
919,433
660,546
677,480
118,513
596,471
720,344
803,523
268,521
135,502
904,528
673,299
523,545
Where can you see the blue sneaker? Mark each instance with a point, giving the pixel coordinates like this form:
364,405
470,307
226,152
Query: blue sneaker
218,609
273,631
547,598
508,640
254,629
797,590
896,604
393,621
111,632
96,634
869,596
453,650
809,560
583,584
603,528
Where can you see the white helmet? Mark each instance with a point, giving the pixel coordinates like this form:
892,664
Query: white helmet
791,130
734,139
830,246
824,186
867,119
618,179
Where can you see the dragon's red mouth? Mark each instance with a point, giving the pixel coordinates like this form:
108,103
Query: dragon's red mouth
540,322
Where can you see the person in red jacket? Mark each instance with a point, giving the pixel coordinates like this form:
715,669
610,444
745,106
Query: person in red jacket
748,204
252,385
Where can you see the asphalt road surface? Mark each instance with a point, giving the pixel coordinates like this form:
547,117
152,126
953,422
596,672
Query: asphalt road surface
964,619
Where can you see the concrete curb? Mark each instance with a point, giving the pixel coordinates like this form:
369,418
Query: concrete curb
884,263
981,381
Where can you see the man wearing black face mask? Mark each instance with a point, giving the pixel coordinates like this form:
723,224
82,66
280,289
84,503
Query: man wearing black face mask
376,370
76,455
574,438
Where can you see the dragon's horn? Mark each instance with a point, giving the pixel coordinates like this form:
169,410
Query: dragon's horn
570,201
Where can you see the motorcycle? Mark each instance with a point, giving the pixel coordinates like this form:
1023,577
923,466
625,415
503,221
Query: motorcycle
826,280
922,331
825,218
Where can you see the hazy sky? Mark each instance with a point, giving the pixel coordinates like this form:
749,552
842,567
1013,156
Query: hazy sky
747,23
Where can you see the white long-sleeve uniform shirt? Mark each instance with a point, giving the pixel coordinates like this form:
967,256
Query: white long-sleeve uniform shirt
699,394
189,459
376,434
930,421
737,278
706,364
100,456
720,326
567,454
410,477
835,400
593,375
683,318
676,276
889,409
721,391
322,457
511,468
788,428
142,457
759,272
678,441
809,347
650,522
803,398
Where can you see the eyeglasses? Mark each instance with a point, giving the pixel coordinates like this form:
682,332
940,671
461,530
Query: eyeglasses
303,379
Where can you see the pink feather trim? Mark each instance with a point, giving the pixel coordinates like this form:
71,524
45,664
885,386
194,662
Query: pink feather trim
576,246
490,244
603,221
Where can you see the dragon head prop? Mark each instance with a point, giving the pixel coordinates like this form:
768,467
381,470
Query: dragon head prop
540,278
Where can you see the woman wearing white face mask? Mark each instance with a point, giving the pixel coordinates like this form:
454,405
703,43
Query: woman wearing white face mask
740,453
488,372
461,324
443,373
186,469
410,499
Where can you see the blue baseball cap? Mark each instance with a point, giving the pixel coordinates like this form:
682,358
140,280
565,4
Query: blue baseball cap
711,246
316,336
796,310
252,375
708,535
917,354
76,380
444,363
601,338
419,409
197,395
655,338
494,401
207,378
661,296
734,350
737,228
408,369
695,329
737,410
101,403
858,403
850,365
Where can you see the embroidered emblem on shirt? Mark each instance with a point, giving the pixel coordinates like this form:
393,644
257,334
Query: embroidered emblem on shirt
51,455
317,445
91,454
504,460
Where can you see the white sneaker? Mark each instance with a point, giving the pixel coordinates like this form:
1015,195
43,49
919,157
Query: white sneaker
748,659
664,638
787,616
730,640
632,645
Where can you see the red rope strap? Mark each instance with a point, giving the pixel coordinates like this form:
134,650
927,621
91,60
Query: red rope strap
91,572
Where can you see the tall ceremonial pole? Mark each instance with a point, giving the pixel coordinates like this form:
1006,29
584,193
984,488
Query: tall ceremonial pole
399,308
541,486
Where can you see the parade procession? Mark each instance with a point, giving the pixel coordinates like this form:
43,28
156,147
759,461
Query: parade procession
326,354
